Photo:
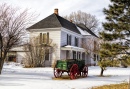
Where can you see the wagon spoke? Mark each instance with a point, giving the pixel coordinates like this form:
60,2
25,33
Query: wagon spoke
85,71
74,71
57,73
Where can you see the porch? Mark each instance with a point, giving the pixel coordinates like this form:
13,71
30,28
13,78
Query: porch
72,52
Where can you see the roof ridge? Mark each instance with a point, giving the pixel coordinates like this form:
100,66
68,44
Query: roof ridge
57,18
60,17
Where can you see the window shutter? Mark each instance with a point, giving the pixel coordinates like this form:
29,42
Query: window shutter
48,38
40,38
70,40
77,42
67,39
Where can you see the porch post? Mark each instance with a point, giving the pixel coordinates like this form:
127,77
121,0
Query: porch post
81,55
71,53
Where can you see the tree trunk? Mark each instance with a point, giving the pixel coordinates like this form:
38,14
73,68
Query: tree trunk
102,70
1,64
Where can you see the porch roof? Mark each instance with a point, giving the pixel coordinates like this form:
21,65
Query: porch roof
73,48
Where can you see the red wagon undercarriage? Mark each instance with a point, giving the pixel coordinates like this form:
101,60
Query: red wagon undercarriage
73,72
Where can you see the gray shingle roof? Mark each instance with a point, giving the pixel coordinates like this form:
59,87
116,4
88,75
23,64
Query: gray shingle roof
48,22
54,21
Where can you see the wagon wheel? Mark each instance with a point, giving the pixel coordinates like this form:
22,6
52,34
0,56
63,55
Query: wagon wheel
73,71
68,73
57,73
85,71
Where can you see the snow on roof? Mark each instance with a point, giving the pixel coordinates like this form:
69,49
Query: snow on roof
21,48
83,32
74,48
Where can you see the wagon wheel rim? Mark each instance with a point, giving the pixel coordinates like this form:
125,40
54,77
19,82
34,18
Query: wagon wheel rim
73,71
85,71
57,73
68,73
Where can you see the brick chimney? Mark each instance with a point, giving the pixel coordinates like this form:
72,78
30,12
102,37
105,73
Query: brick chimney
71,21
56,11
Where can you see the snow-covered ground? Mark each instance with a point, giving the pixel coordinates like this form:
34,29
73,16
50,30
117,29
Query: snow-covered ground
15,77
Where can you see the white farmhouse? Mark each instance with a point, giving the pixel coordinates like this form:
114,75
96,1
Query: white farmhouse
68,37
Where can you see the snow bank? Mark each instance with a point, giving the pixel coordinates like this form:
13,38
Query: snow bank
14,76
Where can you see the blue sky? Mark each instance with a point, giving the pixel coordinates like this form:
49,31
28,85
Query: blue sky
46,7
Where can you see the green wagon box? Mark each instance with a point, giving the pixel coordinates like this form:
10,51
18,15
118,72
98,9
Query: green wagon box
73,67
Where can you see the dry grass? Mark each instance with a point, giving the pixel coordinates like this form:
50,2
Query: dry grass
65,77
104,76
113,86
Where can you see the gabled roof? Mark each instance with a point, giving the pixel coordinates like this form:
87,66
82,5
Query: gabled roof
54,21
48,22
86,29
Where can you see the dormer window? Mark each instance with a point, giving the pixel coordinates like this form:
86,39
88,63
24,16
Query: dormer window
76,41
68,39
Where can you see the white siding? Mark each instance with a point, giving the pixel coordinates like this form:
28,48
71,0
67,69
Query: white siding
73,40
59,37
80,42
63,54
55,35
20,57
63,38
64,42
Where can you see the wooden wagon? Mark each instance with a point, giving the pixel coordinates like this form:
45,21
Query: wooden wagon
73,67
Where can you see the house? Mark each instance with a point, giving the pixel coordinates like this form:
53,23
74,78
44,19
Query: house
68,37
16,54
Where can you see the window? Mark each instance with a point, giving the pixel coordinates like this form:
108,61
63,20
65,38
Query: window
74,55
78,55
76,41
67,55
44,38
68,39
94,57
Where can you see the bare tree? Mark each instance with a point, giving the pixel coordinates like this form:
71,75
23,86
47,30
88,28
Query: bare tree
13,23
79,17
36,52
91,45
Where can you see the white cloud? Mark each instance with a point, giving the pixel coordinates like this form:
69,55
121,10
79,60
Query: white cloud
46,7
